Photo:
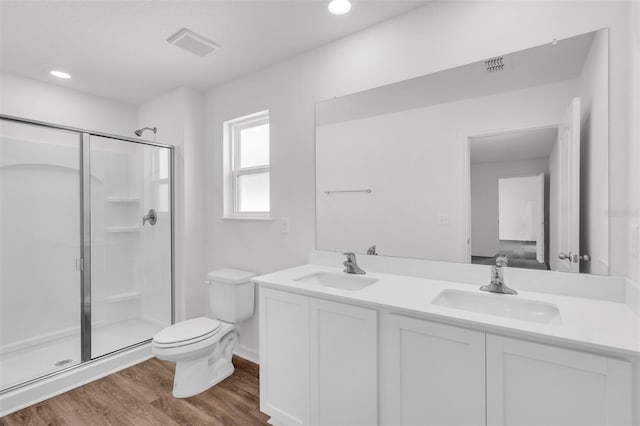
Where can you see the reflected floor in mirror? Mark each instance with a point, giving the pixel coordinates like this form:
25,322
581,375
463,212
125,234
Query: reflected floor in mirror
519,254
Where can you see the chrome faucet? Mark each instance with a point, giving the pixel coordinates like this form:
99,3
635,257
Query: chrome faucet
497,284
151,217
351,267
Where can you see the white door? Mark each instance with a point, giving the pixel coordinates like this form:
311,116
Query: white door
344,364
534,384
430,373
568,236
284,357
540,241
518,208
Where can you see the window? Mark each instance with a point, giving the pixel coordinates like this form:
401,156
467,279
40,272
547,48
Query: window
163,179
247,172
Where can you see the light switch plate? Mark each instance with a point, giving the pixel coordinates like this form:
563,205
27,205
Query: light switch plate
284,225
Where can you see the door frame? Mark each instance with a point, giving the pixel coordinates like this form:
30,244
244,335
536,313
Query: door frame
467,164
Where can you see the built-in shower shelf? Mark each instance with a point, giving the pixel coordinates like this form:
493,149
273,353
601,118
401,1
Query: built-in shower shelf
123,199
122,229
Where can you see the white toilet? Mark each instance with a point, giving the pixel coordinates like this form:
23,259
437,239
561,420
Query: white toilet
202,347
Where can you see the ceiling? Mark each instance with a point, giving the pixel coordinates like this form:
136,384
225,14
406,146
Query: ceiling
118,49
513,146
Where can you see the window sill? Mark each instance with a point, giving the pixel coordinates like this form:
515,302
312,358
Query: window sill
249,218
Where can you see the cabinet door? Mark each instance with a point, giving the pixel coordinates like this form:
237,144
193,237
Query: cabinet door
344,364
530,383
431,374
284,356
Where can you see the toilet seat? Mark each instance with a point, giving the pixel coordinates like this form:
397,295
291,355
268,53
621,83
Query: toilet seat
190,348
187,333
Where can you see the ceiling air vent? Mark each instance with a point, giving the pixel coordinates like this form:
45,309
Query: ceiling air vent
495,64
192,42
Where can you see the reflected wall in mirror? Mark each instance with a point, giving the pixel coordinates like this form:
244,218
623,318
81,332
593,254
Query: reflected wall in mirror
507,156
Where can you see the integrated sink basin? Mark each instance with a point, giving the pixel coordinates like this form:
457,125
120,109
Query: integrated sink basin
501,305
341,281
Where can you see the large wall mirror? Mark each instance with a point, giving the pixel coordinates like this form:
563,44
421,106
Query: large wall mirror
507,156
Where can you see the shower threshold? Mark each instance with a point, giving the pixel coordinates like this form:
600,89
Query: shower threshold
31,362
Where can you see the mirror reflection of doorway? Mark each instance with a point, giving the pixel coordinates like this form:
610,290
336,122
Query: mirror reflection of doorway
510,196
525,196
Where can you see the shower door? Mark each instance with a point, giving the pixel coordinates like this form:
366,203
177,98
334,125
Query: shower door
40,251
86,254
131,243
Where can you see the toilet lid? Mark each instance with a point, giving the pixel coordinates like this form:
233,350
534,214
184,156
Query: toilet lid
187,330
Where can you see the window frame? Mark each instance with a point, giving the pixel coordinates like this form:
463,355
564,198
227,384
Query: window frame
233,129
160,180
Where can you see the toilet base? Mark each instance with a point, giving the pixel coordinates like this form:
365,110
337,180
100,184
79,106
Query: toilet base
190,381
197,375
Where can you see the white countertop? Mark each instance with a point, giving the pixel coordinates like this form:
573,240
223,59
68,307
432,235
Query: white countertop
590,324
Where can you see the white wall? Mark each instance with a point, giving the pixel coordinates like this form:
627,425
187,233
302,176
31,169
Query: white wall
439,36
415,163
484,199
594,153
23,97
179,118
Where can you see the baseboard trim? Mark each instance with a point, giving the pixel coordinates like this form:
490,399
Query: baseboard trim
247,353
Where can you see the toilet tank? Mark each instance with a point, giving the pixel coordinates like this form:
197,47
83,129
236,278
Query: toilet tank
231,294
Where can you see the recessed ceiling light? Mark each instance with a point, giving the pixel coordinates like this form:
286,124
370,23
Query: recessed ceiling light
340,7
60,74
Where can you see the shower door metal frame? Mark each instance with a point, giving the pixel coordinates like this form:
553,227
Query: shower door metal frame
85,237
85,250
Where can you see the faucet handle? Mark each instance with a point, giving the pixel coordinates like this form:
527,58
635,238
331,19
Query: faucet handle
350,256
502,261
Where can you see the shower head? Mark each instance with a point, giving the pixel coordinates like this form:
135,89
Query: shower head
140,131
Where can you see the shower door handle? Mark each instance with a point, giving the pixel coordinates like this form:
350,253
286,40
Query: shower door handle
151,217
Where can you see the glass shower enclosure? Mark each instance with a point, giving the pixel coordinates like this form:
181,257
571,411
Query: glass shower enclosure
86,246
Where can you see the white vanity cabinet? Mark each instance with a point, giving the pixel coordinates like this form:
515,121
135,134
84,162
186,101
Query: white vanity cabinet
284,356
344,364
434,374
531,383
319,361
430,373
330,363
